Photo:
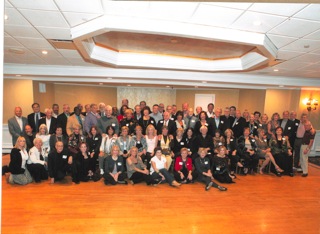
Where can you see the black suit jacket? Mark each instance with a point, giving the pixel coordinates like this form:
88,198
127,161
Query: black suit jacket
172,127
62,122
53,124
214,126
228,121
238,127
289,128
32,123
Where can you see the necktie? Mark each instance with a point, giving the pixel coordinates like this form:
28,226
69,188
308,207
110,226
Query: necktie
234,123
37,122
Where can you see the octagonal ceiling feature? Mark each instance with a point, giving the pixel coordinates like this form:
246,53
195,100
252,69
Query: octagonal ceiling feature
123,42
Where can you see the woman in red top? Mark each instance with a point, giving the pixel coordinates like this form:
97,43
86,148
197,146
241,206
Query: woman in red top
183,168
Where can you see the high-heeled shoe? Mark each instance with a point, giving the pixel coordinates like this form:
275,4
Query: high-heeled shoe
278,169
261,171
239,164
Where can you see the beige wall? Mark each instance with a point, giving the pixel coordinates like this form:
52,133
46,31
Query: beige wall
252,100
314,115
280,100
223,97
74,94
44,99
16,93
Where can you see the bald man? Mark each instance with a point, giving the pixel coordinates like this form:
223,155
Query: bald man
16,124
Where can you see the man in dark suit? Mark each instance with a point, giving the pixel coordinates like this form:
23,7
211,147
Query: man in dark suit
49,121
16,124
217,122
287,125
33,118
227,119
238,124
166,121
63,118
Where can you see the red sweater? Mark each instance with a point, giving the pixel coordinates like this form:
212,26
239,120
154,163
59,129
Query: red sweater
178,164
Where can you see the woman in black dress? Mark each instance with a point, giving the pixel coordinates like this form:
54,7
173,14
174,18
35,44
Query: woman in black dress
94,142
146,120
220,169
80,164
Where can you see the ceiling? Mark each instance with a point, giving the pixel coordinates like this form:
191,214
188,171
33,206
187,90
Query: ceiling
164,44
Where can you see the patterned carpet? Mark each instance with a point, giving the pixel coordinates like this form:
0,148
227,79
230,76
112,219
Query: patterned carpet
315,160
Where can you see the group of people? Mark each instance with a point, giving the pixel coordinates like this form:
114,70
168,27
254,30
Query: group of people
155,146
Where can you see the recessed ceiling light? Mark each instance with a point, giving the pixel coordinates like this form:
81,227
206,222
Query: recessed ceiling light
306,46
6,17
16,50
257,23
100,83
44,52
168,86
275,70
204,82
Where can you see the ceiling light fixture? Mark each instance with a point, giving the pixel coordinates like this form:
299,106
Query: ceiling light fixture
129,85
100,83
44,52
6,17
306,46
275,70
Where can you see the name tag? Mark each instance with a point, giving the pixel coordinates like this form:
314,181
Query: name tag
121,143
297,124
222,122
138,142
260,125
209,152
96,138
152,121
127,124
218,168
81,137
265,140
64,156
181,143
253,140
289,128
206,162
119,163
236,123
172,118
161,121
193,121
220,143
188,149
206,124
255,126
283,138
231,139
180,163
113,125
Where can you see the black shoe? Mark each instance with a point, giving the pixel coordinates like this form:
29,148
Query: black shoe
221,188
304,175
122,182
291,174
278,174
208,186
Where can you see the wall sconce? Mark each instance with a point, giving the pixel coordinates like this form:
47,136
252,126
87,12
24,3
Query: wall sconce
311,104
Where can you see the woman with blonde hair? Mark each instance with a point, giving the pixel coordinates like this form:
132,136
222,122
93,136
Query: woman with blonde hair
152,142
18,158
44,135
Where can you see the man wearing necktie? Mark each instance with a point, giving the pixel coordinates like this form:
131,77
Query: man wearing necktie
33,118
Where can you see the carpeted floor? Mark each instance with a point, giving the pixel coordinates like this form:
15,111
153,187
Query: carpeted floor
315,160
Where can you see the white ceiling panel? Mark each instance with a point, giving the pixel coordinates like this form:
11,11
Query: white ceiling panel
11,42
215,16
161,10
245,22
126,8
291,65
7,4
78,62
235,5
69,53
313,67
56,61
55,33
35,43
316,52
15,18
75,19
311,12
52,18
303,45
91,6
283,9
287,55
280,41
309,58
314,36
48,5
24,31
289,28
